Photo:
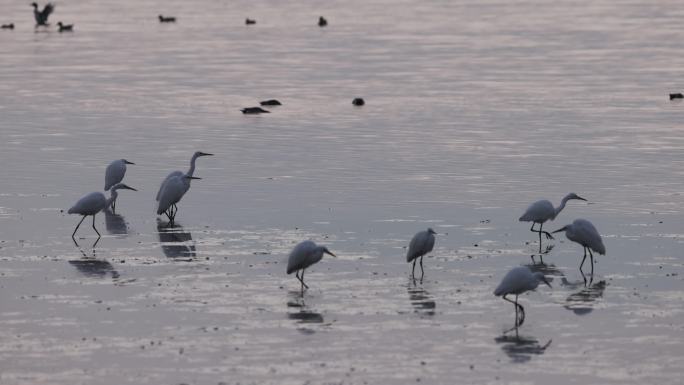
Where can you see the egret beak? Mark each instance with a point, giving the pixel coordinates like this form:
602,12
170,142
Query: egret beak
205,154
559,230
191,177
580,198
329,253
127,162
547,282
128,188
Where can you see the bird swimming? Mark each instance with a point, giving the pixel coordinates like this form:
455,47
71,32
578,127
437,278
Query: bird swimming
322,22
249,21
65,27
517,281
7,26
254,111
168,19
358,102
42,16
421,244
95,202
303,255
583,232
270,102
678,95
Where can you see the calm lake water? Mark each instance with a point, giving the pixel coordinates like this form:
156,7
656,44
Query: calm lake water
474,109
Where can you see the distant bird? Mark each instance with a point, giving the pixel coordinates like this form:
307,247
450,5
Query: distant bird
270,102
358,102
95,202
114,174
583,232
191,172
171,193
65,27
168,19
254,111
322,22
42,16
249,21
421,244
305,254
7,26
676,96
542,211
517,281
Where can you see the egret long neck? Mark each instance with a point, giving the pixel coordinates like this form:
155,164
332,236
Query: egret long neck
561,207
191,171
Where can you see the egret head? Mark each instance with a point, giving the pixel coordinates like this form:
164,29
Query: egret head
431,231
541,278
127,162
120,186
200,153
574,196
561,229
325,250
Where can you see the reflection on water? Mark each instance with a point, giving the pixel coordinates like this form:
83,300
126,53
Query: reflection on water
92,267
115,223
520,348
547,270
175,241
300,312
421,300
581,302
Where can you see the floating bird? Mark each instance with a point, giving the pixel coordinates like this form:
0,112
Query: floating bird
517,281
171,193
322,22
168,19
304,255
676,96
421,244
249,21
270,102
7,26
42,16
358,102
583,232
254,110
176,173
95,202
65,27
542,211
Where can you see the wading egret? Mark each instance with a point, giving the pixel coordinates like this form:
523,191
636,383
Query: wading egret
115,172
305,254
583,232
517,281
172,192
421,244
542,211
190,172
42,16
93,203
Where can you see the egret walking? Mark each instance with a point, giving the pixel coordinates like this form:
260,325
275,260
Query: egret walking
304,255
93,203
421,244
542,211
190,172
583,232
114,174
172,191
517,281
42,16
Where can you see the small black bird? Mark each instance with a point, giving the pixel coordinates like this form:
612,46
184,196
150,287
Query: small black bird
65,27
250,21
358,102
322,22
42,16
254,110
676,96
168,19
7,26
270,102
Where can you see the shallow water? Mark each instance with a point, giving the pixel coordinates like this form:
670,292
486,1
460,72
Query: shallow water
473,110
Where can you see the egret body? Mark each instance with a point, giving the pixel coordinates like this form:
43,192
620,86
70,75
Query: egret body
517,281
421,244
305,254
191,171
542,211
583,232
95,202
171,193
115,173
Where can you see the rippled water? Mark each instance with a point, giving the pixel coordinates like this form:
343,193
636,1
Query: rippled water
473,110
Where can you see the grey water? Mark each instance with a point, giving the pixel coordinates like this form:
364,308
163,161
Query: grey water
474,109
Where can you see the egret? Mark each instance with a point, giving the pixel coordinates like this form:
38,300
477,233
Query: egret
65,27
421,244
304,255
95,202
190,172
114,174
517,281
583,232
172,191
42,16
542,211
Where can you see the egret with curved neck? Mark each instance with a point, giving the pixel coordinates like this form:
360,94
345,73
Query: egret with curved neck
191,172
95,202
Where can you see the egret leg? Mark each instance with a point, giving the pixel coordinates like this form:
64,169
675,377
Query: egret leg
114,207
301,279
98,233
585,257
77,226
548,235
413,272
422,272
518,320
591,258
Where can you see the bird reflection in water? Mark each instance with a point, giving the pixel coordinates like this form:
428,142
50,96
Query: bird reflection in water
581,302
541,254
520,348
92,267
115,223
421,300
299,312
175,241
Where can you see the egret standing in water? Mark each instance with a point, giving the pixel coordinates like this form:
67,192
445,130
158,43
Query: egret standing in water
517,281
583,232
93,203
421,244
304,255
542,211
114,174
172,191
190,172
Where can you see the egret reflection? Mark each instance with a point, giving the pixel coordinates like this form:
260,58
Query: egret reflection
115,223
423,303
298,310
92,267
581,302
519,348
175,241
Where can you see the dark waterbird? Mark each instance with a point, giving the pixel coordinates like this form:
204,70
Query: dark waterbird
7,26
676,96
168,19
305,254
42,16
249,21
270,102
65,27
322,22
254,111
358,102
421,244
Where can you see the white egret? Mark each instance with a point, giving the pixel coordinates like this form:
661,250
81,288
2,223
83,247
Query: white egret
517,281
42,16
542,211
305,254
95,202
172,191
583,232
421,244
115,173
191,170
